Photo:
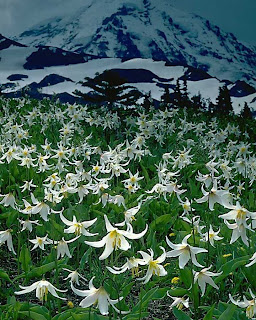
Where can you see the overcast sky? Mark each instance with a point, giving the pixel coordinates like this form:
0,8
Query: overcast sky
237,16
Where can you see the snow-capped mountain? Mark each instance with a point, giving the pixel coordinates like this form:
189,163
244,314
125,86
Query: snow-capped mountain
147,29
45,71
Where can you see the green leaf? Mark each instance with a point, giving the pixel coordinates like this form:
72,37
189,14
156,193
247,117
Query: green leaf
25,258
12,218
209,314
161,222
154,293
228,313
180,315
32,315
85,258
186,276
177,292
4,275
126,290
230,266
39,271
145,172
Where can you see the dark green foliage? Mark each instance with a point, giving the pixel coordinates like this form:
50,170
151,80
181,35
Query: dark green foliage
246,112
224,104
109,88
166,97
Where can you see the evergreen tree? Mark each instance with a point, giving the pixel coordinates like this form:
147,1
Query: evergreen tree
246,113
147,103
211,106
166,97
109,88
177,95
224,104
185,101
197,103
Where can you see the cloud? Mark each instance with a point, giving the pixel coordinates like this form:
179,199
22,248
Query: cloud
19,15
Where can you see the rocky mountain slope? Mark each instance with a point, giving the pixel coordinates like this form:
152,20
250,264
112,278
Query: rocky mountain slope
147,29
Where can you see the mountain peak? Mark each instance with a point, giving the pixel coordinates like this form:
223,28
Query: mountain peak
147,29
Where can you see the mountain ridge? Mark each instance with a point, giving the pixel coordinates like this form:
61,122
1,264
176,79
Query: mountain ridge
147,29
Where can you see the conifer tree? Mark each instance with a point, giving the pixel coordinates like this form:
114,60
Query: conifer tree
177,95
166,97
197,102
224,104
109,88
185,99
246,112
147,103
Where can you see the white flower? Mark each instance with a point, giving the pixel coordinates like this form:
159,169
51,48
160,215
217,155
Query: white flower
28,224
203,277
250,305
8,200
98,297
27,186
211,235
62,247
40,242
131,264
7,236
133,179
154,266
239,231
185,252
41,207
186,205
74,276
253,260
214,196
78,227
42,287
115,239
179,302
129,215
238,213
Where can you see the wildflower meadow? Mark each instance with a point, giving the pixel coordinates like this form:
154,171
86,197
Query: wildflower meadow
125,214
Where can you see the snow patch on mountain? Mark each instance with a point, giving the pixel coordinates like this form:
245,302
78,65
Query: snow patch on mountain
147,29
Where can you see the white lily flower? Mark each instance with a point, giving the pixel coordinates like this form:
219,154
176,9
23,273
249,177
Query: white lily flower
115,239
41,207
74,276
154,266
8,200
27,186
211,236
78,227
129,215
7,236
250,305
62,247
203,277
185,252
98,297
179,302
239,231
238,213
131,264
42,288
214,196
28,224
40,242
253,260
186,205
